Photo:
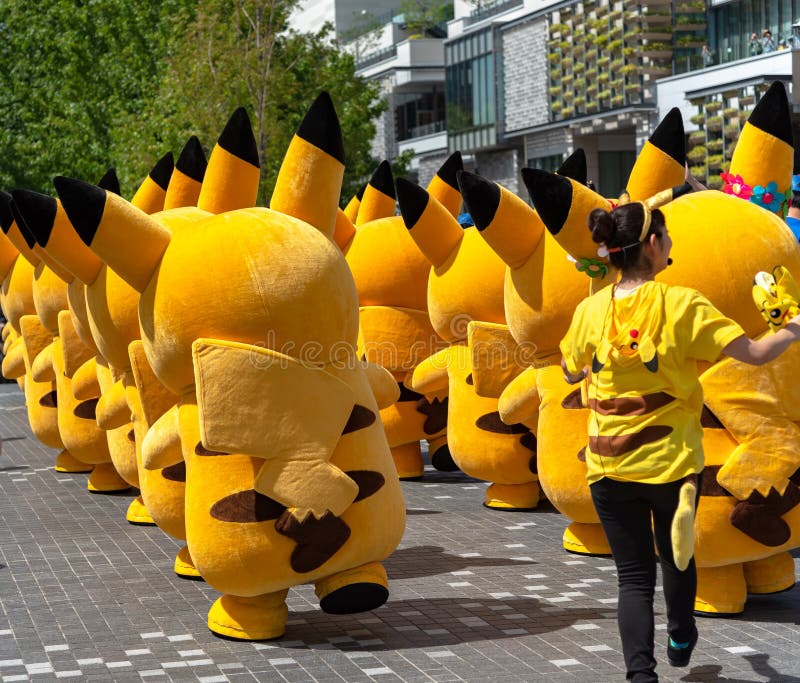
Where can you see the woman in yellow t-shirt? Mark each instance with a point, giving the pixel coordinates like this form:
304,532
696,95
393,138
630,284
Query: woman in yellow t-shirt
638,343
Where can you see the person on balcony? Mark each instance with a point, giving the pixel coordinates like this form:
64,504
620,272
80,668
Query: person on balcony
707,55
756,48
768,41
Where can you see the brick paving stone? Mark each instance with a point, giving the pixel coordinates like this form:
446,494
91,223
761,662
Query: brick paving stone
475,595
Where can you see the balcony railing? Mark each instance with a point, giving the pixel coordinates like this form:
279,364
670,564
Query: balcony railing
375,57
421,131
491,9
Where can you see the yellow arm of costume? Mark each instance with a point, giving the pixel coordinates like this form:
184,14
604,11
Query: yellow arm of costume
76,353
154,398
42,366
494,357
7,329
262,403
383,384
519,402
430,376
161,446
85,385
112,409
14,359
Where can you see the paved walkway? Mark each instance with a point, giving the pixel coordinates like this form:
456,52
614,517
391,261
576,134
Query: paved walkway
475,596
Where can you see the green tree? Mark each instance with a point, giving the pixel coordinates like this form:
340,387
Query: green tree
240,52
424,16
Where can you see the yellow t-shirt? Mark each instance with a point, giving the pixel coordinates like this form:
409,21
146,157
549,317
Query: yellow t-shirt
644,393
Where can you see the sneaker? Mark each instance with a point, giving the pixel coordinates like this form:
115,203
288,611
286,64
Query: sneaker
679,654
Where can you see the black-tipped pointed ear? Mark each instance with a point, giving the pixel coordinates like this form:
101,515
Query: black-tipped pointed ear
360,192
237,138
575,167
551,195
192,161
412,200
84,204
481,198
772,113
162,171
110,182
321,128
6,217
24,230
38,213
382,179
450,169
669,136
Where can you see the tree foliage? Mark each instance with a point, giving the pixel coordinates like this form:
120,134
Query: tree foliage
109,82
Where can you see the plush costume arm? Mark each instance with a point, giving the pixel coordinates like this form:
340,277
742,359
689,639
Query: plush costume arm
8,340
520,399
113,410
161,446
42,366
35,337
76,353
85,384
7,329
383,384
430,376
154,397
262,403
494,357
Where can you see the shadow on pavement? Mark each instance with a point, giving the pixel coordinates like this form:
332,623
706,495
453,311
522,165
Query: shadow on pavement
430,560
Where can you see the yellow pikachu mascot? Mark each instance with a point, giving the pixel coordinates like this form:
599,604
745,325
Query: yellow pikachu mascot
748,516
31,337
289,478
465,286
391,275
61,309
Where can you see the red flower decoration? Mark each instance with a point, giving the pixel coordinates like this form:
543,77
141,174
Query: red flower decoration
735,185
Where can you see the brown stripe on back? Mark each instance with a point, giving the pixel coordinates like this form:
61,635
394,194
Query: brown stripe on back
49,400
361,417
631,405
612,446
131,436
528,441
572,400
175,472
582,454
710,421
533,464
246,506
470,381
199,449
435,412
86,410
710,486
795,478
491,422
368,482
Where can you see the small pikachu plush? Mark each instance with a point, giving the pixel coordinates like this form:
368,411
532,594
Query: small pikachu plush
776,296
251,318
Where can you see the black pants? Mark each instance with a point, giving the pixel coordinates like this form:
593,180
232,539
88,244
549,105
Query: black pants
625,510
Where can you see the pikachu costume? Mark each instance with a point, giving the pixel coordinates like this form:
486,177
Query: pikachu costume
465,289
395,331
748,516
251,317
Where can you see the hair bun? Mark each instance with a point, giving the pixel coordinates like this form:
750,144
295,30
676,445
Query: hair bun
602,225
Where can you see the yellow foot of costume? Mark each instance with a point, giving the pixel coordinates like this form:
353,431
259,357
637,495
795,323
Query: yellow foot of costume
354,590
586,539
262,617
721,591
184,565
104,479
408,460
512,496
138,514
66,462
770,575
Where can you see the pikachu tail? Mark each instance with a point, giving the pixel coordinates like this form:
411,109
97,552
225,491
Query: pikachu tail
682,531
187,178
231,178
152,192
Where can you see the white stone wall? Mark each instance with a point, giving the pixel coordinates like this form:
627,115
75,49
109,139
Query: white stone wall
525,75
547,143
384,144
428,165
